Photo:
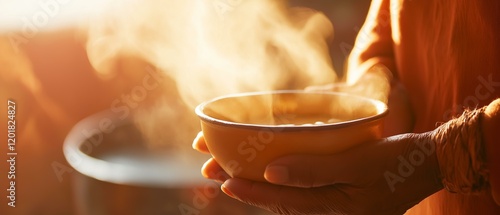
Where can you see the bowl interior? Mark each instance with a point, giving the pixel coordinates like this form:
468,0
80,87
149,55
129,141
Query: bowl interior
290,108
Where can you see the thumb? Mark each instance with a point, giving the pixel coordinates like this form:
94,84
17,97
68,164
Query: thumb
361,164
316,171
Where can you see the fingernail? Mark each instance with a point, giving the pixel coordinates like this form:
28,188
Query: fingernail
226,191
276,174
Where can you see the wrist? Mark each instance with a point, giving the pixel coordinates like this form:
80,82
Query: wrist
418,168
400,119
461,153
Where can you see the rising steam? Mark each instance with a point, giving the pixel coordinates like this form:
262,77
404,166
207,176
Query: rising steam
217,47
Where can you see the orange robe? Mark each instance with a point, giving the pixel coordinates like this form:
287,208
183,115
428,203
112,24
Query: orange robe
446,53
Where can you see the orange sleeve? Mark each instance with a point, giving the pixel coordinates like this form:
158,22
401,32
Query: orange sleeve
374,43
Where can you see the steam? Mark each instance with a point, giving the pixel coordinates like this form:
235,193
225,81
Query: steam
217,47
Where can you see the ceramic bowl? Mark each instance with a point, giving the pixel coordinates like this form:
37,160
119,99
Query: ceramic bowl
245,132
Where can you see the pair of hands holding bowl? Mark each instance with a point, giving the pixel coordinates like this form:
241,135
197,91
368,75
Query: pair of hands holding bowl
378,177
368,179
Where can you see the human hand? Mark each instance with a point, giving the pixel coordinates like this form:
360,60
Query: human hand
384,177
375,83
378,83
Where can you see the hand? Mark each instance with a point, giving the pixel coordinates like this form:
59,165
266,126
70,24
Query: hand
376,84
383,177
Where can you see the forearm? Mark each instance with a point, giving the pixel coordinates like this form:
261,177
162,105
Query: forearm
371,69
374,44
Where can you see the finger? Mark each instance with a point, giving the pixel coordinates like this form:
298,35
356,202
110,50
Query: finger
200,144
308,171
352,167
212,170
286,200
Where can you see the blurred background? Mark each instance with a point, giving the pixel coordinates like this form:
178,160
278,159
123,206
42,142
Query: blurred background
115,162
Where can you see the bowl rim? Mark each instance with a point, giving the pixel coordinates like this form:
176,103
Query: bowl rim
186,175
381,108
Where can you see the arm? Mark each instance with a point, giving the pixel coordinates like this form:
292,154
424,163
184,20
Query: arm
372,69
374,43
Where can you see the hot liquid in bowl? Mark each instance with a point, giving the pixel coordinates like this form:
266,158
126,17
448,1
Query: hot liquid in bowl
245,132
